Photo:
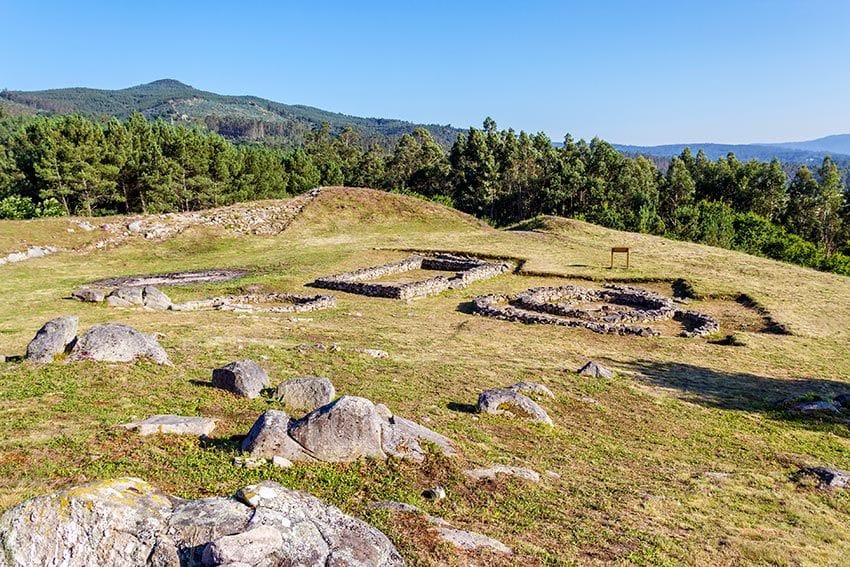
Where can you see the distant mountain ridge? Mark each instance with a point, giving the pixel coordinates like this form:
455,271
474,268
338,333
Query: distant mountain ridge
837,146
236,117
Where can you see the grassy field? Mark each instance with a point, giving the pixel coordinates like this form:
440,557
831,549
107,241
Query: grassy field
681,459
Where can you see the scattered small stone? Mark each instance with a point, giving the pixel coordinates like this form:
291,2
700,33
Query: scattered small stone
717,475
135,227
503,401
306,393
596,370
300,319
55,337
305,347
828,477
395,506
553,474
470,541
492,472
243,377
173,424
113,342
281,462
434,493
249,462
89,295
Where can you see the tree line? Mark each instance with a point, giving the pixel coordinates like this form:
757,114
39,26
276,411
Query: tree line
73,165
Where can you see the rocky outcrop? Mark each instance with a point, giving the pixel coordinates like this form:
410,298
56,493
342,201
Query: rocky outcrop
306,393
532,390
467,270
505,401
126,296
55,337
114,342
827,477
28,254
173,424
244,378
129,523
342,431
89,295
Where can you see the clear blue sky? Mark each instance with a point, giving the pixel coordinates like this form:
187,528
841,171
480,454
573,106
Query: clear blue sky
642,72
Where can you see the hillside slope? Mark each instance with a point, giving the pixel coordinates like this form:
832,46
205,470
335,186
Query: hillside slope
239,117
685,457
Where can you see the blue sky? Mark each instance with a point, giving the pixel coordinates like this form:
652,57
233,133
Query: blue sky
641,72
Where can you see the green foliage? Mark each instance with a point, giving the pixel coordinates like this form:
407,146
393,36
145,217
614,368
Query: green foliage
16,207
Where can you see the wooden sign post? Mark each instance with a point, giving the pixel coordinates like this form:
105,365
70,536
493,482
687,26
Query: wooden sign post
620,250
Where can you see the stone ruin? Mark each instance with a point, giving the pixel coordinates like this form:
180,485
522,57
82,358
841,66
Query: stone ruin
466,269
625,310
260,302
173,278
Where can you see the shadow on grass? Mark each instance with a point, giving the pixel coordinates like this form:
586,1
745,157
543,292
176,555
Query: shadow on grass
743,391
226,444
463,408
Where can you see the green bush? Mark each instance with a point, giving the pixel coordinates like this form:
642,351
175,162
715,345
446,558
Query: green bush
16,207
49,208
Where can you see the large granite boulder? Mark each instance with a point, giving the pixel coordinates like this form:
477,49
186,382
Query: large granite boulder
244,378
307,393
114,342
127,522
342,431
130,295
595,370
505,401
153,298
53,338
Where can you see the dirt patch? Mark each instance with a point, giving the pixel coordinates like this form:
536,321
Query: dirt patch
173,279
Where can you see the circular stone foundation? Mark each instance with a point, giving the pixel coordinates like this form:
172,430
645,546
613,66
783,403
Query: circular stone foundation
614,309
173,279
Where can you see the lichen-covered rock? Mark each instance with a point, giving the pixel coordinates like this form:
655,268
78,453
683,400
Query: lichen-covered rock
173,424
114,342
596,370
306,393
244,378
53,338
504,401
127,522
342,431
117,522
89,295
401,438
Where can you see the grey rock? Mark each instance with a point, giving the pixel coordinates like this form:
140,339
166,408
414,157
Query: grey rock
153,298
128,522
244,378
249,547
401,507
115,301
117,522
269,437
249,462
503,401
114,342
281,462
374,352
342,431
492,472
401,438
132,295
306,393
53,338
532,389
89,295
596,370
815,406
173,424
135,227
828,477
470,541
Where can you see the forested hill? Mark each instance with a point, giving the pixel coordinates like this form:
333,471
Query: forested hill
235,117
812,151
